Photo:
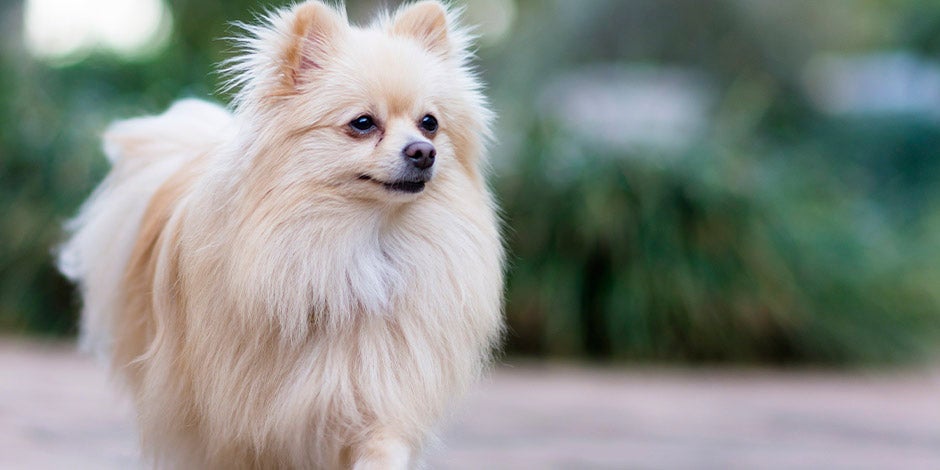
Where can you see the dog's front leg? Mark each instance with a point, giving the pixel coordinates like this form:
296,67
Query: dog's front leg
382,453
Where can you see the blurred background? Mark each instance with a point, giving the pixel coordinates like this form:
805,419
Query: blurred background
699,190
744,181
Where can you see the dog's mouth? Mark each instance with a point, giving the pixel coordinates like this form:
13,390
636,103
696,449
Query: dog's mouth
405,186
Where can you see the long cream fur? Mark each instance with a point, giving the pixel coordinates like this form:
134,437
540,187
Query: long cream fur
266,306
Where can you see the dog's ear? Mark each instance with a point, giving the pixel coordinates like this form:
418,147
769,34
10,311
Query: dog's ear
427,22
314,32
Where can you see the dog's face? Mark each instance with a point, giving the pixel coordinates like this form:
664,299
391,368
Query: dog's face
380,113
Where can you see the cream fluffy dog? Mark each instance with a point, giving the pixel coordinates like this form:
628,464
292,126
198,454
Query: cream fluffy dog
310,280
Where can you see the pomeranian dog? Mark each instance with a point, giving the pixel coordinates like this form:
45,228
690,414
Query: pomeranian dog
311,279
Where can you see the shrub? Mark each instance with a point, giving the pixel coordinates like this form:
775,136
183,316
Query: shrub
619,255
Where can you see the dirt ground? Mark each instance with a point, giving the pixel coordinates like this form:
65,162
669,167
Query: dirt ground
57,411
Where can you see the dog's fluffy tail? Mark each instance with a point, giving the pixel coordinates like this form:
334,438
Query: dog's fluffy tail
189,126
144,152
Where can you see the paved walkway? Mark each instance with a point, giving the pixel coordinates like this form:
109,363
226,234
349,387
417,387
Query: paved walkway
57,411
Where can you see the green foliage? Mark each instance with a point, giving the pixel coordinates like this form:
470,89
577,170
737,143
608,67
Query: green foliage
781,236
617,255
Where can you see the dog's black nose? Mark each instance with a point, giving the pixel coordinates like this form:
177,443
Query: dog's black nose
420,154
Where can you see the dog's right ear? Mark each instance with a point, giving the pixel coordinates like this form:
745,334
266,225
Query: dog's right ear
314,31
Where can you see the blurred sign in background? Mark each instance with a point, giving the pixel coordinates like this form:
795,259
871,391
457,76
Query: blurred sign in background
748,181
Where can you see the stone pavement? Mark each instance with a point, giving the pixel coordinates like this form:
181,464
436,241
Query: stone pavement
57,411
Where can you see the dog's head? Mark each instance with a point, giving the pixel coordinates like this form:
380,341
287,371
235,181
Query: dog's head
382,113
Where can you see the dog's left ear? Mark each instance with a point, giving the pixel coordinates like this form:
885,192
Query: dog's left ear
427,22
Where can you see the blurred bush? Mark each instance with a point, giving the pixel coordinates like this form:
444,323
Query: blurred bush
623,256
789,212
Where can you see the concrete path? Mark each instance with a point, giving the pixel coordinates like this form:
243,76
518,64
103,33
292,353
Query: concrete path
57,411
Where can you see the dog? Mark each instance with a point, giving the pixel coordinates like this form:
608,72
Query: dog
311,277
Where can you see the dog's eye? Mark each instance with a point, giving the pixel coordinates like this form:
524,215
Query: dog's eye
429,123
363,124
